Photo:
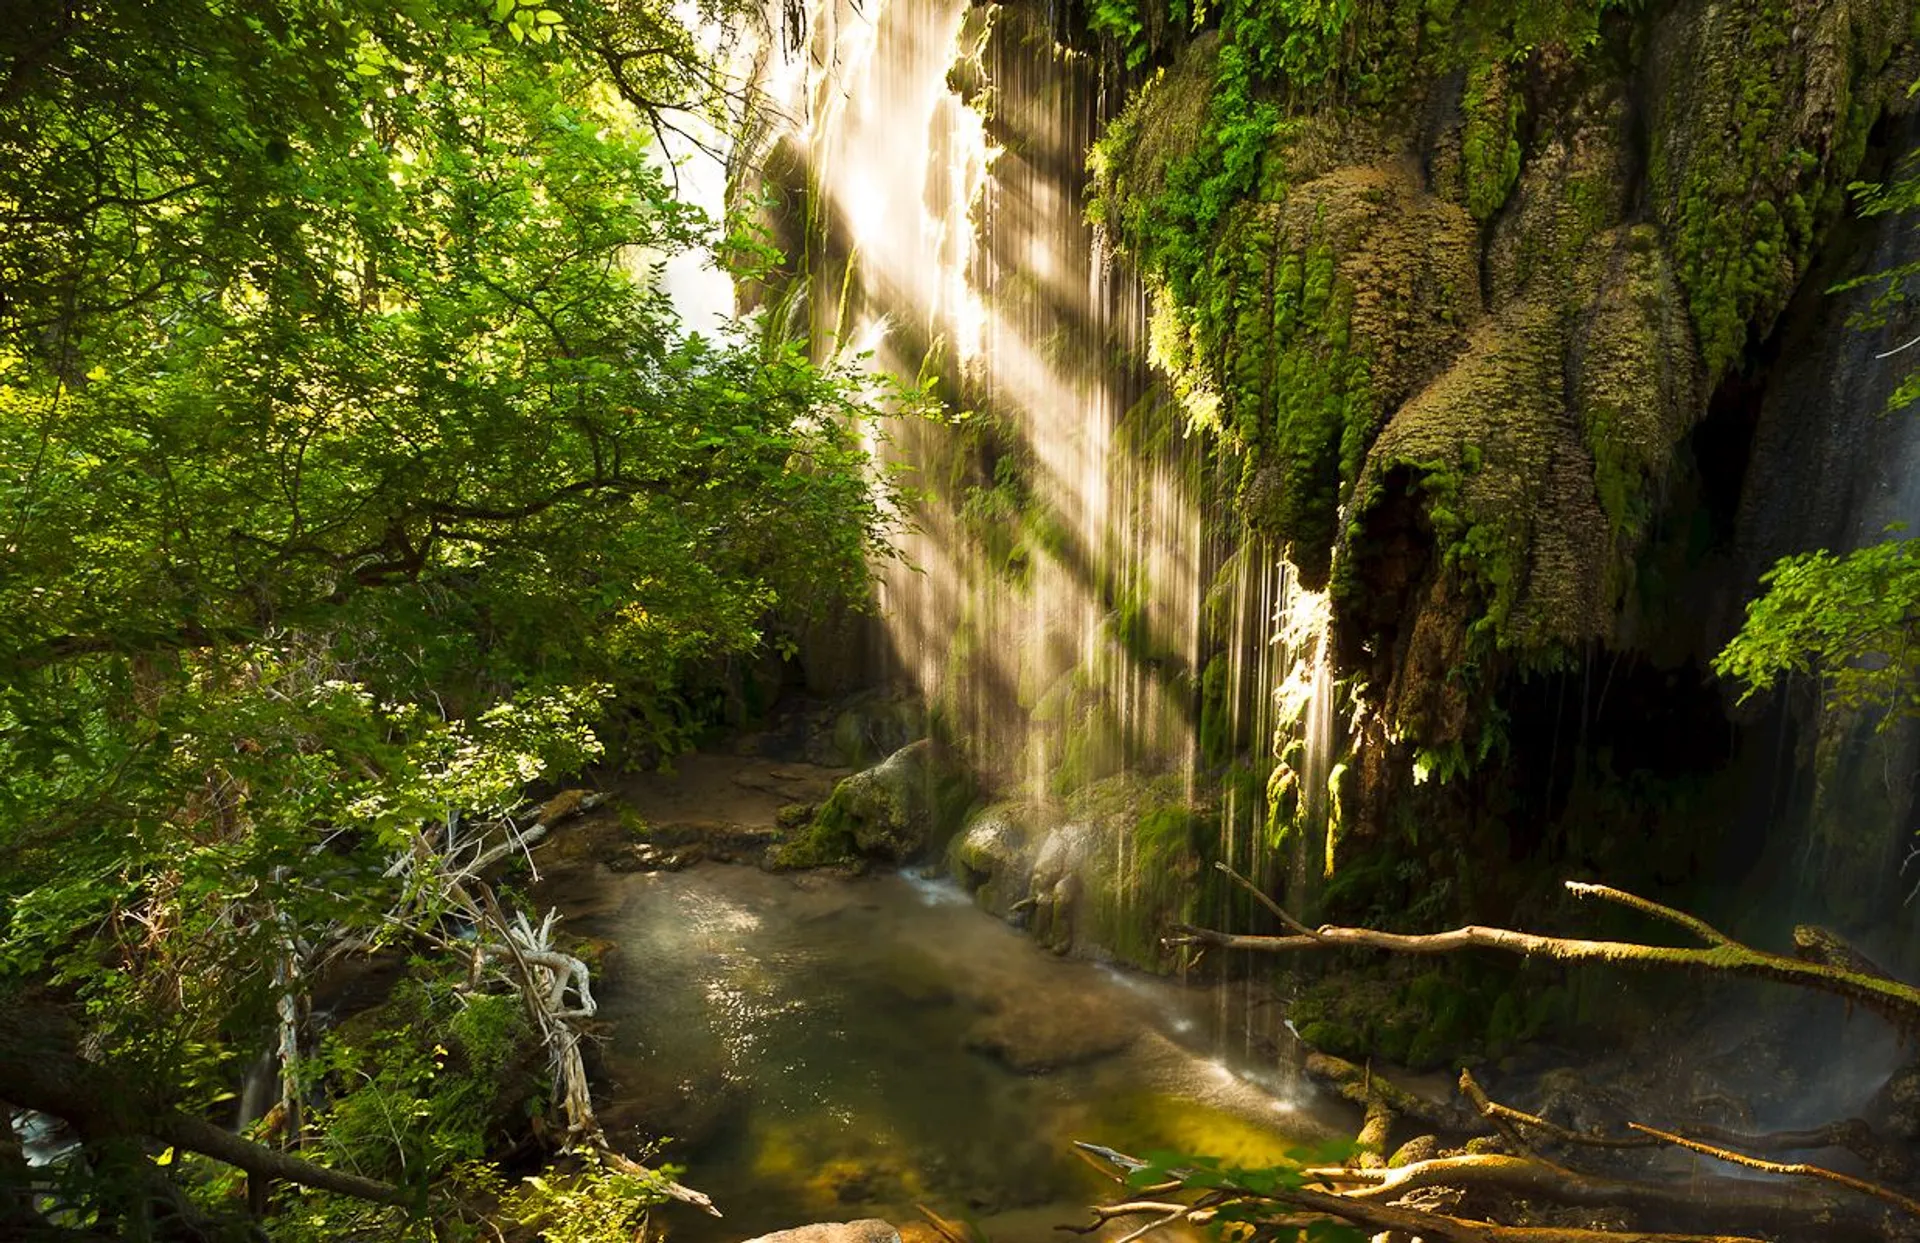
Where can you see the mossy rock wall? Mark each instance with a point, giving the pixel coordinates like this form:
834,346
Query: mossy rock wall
1761,111
1459,301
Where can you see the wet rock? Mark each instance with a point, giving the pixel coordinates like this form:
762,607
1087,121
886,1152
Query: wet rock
1571,1100
992,858
865,1230
1896,1108
894,812
1097,878
654,857
1065,855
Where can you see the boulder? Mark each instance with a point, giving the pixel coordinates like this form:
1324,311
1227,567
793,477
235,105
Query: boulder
902,809
1097,876
868,727
1067,858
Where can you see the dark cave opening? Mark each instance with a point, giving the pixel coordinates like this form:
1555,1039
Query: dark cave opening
1615,765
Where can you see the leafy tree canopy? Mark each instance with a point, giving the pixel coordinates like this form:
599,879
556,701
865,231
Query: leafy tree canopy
1854,620
352,460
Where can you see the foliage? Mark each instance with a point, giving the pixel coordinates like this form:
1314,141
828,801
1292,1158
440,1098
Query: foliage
417,1095
353,465
1120,20
423,353
1901,193
1853,618
1246,1197
591,1204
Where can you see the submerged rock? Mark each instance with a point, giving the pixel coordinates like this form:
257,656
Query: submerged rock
653,857
865,1230
1037,1039
895,812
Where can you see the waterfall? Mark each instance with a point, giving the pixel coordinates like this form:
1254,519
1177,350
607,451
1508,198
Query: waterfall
1831,467
1077,603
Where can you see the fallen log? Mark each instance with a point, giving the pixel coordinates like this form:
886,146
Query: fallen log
1893,1000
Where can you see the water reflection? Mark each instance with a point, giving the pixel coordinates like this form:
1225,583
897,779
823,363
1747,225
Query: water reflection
827,1049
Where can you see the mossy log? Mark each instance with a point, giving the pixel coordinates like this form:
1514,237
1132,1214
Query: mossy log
1893,1000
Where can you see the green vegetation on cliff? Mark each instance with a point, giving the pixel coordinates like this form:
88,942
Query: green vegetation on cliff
1422,271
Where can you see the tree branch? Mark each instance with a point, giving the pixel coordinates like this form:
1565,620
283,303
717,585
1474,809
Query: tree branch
1893,1000
39,1070
1796,1169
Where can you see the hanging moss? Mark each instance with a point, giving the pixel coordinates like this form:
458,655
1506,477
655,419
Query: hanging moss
1764,111
1320,312
1521,540
1490,142
1635,385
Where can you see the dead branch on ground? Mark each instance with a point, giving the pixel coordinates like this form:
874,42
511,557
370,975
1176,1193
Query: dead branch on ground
1794,1169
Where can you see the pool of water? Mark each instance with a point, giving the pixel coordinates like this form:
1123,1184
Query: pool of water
825,1049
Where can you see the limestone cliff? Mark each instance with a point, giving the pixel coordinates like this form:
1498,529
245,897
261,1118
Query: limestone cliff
1460,282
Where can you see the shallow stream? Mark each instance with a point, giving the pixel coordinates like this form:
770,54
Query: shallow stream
825,1049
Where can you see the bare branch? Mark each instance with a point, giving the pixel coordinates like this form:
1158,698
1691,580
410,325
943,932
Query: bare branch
1497,1113
1796,1169
1697,926
1893,1000
1260,895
